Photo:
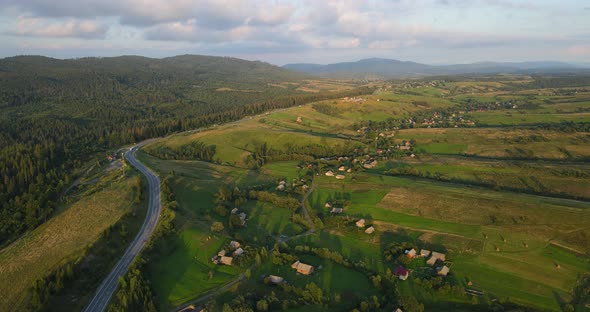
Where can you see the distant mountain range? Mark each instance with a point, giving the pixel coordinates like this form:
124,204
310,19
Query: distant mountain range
379,67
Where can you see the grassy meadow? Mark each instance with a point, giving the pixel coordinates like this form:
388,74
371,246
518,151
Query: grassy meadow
507,201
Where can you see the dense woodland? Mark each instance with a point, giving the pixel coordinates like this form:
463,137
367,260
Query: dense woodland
55,114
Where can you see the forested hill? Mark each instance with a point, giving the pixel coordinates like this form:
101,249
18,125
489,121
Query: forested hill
55,113
388,68
34,79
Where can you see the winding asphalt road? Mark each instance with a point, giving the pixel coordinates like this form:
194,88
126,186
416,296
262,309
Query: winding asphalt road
107,288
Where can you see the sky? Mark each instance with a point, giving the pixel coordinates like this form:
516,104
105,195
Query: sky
303,31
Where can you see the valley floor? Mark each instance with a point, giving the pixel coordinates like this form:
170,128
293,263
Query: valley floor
508,206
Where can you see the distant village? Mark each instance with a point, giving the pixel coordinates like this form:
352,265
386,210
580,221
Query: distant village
353,99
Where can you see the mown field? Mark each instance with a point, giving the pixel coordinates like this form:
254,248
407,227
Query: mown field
95,208
505,199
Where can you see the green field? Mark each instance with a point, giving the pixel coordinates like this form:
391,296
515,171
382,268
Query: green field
184,273
475,193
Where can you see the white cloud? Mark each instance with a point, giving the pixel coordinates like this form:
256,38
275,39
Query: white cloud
384,45
39,27
334,27
344,43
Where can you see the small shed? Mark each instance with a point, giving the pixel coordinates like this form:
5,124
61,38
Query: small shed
302,268
340,177
329,173
275,279
411,253
234,244
238,251
370,230
360,223
443,270
341,168
221,253
336,210
424,253
402,273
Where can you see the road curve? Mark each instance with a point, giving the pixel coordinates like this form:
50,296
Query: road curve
107,288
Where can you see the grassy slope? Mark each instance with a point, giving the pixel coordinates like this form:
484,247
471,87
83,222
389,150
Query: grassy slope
496,142
62,238
512,174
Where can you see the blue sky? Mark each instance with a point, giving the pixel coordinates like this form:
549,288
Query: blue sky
280,32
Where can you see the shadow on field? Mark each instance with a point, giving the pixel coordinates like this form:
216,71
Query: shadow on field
173,273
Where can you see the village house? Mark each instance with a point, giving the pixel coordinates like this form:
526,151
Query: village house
443,270
221,253
402,273
434,257
275,279
370,164
329,173
340,177
360,223
226,260
234,211
282,185
341,168
328,205
411,253
336,210
238,251
370,230
353,99
299,119
424,253
234,244
302,268
431,261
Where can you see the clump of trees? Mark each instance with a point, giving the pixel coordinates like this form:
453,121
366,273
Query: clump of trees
196,150
327,109
277,200
263,153
134,294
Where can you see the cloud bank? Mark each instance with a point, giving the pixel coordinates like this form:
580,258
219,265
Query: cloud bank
447,29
